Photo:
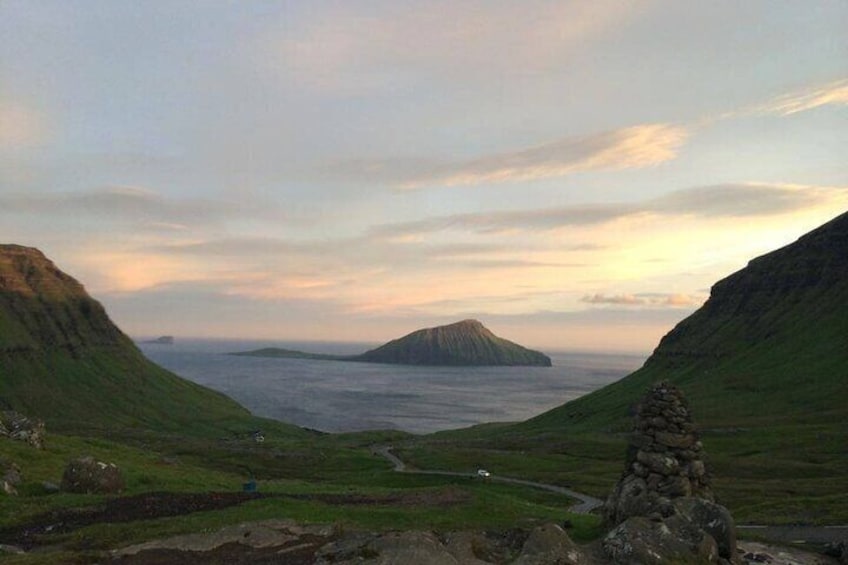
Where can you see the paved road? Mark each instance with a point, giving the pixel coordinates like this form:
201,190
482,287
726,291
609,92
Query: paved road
585,505
782,534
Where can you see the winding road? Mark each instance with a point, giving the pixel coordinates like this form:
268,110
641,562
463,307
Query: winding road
585,505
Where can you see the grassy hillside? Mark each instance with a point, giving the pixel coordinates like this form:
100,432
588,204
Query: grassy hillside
770,346
64,361
764,364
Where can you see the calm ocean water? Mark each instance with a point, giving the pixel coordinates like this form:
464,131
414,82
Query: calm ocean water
338,396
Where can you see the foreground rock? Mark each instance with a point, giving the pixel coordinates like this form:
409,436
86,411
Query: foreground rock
87,475
10,476
15,425
662,507
284,541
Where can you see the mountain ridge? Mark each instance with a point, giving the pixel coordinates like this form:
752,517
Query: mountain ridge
63,360
773,334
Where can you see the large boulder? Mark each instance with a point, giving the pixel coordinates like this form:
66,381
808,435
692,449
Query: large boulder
16,426
549,543
713,519
87,475
10,476
642,541
412,548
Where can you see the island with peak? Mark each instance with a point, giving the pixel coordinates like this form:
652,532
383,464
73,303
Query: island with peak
465,343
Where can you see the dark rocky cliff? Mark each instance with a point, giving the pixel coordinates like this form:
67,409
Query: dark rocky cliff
43,308
768,301
463,343
770,345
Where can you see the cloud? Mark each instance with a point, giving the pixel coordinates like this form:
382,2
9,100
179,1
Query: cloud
620,299
674,300
834,93
123,203
628,148
345,50
20,126
831,94
726,200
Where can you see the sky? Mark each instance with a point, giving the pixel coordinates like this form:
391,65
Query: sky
574,174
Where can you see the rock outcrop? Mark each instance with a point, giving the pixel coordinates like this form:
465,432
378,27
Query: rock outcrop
664,459
662,508
274,541
86,475
10,476
18,427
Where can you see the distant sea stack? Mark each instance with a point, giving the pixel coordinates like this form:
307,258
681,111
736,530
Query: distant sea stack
162,340
464,343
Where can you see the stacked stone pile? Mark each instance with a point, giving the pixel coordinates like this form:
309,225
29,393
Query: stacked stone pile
663,508
664,460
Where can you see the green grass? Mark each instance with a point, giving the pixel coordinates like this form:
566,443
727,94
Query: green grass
764,365
338,465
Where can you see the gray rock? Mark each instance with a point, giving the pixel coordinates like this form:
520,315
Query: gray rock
16,426
10,476
712,518
641,541
678,440
87,475
50,487
10,549
410,548
550,544
661,463
629,498
264,534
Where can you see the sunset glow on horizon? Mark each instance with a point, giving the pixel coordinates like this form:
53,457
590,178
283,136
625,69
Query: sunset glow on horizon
575,175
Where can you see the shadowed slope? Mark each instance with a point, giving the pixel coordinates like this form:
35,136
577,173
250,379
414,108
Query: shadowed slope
770,345
63,360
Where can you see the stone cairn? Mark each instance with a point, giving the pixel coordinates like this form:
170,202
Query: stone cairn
662,508
664,459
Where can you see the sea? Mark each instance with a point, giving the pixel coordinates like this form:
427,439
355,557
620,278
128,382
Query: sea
344,396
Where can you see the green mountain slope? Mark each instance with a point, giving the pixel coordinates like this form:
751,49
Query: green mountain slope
463,343
63,360
770,345
764,365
